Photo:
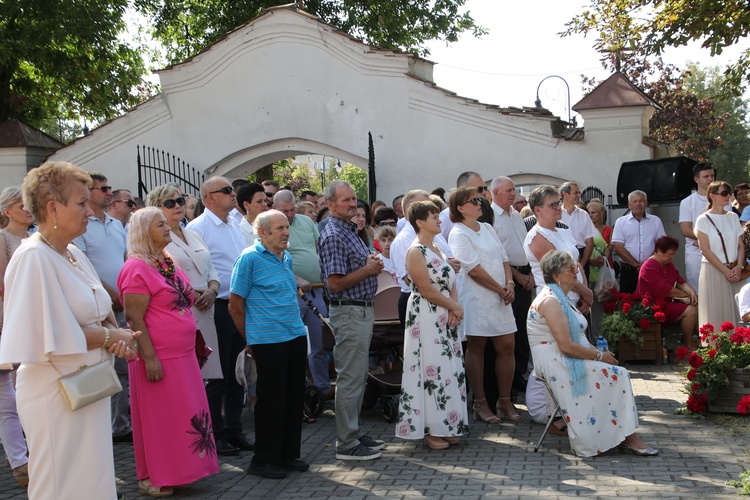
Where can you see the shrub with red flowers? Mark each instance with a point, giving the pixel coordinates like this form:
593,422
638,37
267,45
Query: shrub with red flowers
728,349
627,314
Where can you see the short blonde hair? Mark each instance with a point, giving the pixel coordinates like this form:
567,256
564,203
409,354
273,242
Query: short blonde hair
52,181
140,244
161,193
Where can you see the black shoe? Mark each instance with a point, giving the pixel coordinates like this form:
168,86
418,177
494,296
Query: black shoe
124,438
240,441
225,449
295,465
267,471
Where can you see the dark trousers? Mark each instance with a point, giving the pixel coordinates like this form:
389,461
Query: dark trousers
628,278
403,301
522,351
278,412
227,393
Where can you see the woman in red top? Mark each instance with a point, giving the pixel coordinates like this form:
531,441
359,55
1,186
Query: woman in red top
659,278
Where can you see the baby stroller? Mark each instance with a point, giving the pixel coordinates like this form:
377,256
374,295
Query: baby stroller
314,399
386,351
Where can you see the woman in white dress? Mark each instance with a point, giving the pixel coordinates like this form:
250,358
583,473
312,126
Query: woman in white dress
719,235
57,311
545,236
433,387
487,291
191,254
595,395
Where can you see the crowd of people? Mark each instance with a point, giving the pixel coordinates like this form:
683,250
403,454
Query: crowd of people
247,269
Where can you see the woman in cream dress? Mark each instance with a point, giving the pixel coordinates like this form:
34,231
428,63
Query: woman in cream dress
57,312
191,255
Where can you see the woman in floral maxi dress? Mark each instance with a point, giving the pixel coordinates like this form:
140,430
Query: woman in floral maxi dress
433,387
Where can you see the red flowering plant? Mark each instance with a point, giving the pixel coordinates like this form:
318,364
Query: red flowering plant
728,349
627,314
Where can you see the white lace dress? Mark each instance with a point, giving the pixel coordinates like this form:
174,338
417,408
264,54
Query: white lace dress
485,313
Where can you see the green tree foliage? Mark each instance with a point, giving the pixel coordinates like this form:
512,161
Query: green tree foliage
732,160
687,122
649,26
185,27
61,60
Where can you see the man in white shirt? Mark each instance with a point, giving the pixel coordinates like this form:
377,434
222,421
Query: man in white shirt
634,237
237,214
469,179
401,245
105,243
512,232
225,243
690,208
579,222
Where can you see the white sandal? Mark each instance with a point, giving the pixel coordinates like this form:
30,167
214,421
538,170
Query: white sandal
145,487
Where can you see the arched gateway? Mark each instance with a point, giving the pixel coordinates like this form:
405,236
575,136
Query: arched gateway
286,84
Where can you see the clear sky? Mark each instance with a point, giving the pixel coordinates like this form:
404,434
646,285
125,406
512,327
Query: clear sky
523,47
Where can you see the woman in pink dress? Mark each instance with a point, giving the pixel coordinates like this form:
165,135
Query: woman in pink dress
172,432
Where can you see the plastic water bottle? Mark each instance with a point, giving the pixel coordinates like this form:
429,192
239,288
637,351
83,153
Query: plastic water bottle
664,351
601,343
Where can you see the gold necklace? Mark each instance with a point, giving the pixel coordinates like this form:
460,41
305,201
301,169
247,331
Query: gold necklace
67,254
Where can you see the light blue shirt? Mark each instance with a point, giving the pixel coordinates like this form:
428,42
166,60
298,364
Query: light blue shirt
105,244
269,289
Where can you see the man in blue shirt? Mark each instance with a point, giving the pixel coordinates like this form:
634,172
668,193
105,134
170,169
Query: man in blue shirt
263,305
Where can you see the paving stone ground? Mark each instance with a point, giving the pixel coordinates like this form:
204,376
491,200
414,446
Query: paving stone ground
696,459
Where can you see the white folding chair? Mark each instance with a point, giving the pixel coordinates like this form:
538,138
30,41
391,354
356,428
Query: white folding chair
557,412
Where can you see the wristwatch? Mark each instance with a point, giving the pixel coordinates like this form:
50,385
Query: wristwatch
511,283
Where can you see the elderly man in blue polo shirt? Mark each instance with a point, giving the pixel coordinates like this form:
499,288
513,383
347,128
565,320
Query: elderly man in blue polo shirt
263,305
350,276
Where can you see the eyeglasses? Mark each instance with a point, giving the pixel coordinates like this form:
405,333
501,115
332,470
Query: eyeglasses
482,189
103,189
391,224
224,190
724,193
129,203
553,205
474,201
177,201
521,202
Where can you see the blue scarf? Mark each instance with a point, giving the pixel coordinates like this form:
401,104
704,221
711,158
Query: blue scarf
576,367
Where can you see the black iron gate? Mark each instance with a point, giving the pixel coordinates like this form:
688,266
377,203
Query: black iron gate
157,167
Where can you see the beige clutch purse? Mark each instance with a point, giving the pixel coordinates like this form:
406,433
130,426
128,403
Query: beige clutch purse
89,384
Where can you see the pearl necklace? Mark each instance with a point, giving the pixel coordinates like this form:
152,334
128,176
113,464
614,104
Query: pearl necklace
67,253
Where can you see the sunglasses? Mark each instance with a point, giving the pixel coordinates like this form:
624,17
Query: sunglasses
724,193
522,203
177,201
103,189
224,190
474,201
269,195
391,224
554,205
129,203
482,189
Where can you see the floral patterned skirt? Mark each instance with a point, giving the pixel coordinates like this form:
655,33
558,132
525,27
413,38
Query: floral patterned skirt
433,386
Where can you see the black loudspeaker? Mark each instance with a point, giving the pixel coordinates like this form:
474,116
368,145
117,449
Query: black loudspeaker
664,179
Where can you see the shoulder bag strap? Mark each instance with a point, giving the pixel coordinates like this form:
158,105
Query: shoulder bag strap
723,247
